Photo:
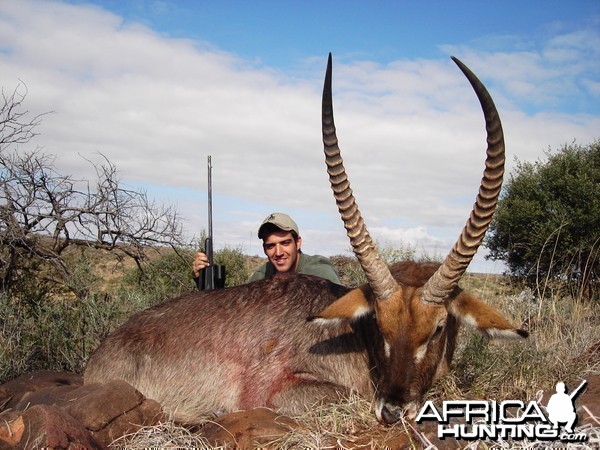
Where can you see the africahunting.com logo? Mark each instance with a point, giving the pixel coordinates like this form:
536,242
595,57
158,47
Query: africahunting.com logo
509,419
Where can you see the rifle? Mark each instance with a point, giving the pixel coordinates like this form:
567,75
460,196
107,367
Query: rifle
213,276
576,392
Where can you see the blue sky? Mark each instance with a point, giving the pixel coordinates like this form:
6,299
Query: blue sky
280,33
283,35
156,86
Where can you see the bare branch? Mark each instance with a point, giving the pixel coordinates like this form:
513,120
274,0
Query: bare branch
15,127
42,213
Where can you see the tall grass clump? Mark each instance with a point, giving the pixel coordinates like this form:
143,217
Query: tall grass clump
52,335
56,330
352,275
563,345
170,273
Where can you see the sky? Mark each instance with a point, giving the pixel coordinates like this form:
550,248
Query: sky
157,86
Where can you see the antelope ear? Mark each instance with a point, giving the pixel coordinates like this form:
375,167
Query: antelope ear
472,311
351,306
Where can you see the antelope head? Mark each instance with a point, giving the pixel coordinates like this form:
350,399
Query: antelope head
417,308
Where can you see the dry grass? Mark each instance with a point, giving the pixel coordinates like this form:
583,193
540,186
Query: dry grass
564,346
167,436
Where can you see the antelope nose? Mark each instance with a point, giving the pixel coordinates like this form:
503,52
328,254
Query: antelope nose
391,413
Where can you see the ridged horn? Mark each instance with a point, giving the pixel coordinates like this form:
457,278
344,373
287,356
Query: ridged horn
377,272
445,279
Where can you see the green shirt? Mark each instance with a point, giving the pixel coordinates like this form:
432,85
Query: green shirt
308,265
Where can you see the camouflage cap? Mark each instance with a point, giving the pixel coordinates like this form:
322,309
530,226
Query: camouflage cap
278,220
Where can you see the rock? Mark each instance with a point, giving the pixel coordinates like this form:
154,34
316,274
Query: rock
248,429
44,426
55,409
18,390
148,413
96,405
114,409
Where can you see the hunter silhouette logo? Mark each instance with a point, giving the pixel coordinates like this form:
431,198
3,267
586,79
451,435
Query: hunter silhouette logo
561,408
509,419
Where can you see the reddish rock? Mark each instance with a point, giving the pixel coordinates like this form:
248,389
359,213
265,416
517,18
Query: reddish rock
19,390
248,429
97,405
148,413
44,426
58,411
113,409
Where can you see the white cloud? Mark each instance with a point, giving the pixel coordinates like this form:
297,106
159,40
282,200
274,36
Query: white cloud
411,131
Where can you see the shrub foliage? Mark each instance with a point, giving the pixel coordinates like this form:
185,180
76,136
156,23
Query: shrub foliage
547,225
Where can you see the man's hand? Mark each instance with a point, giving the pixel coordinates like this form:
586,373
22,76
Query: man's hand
200,263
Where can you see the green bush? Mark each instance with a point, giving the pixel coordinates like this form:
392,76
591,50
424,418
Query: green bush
53,334
236,268
547,224
165,276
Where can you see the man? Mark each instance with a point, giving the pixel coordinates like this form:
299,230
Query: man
282,245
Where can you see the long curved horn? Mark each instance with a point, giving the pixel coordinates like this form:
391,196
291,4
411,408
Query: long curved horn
377,272
445,279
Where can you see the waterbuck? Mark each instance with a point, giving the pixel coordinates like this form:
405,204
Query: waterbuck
291,341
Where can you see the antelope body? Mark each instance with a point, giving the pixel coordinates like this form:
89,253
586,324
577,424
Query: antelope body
291,341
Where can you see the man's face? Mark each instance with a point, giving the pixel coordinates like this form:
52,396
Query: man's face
282,250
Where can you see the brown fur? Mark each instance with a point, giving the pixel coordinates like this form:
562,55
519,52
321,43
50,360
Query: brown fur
251,346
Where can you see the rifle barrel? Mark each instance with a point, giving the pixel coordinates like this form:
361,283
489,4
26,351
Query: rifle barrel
213,276
576,391
210,222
